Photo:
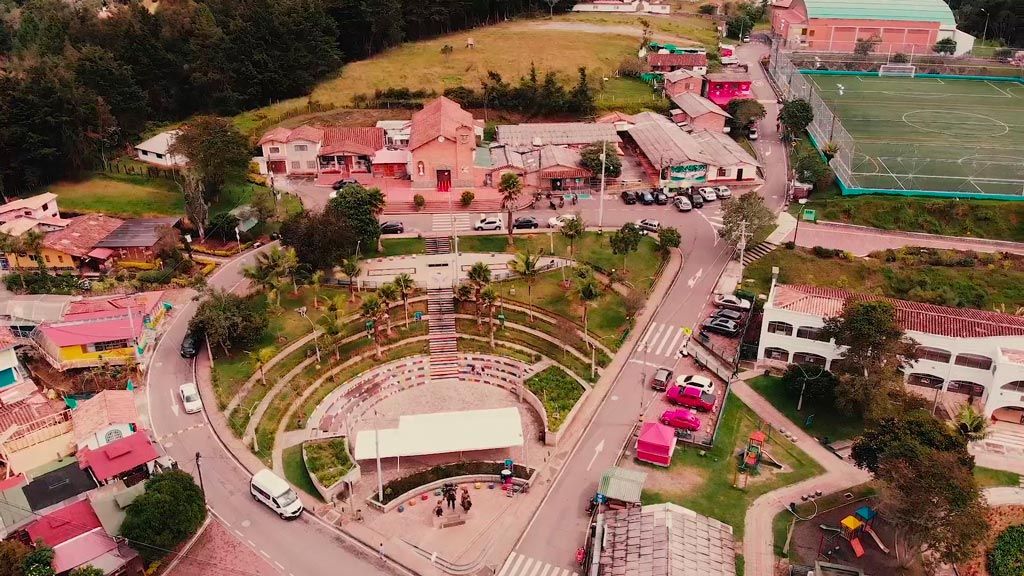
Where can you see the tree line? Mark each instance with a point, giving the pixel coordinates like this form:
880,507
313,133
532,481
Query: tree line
78,82
1000,20
531,94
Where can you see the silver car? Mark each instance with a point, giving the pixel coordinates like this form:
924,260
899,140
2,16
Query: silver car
723,192
682,203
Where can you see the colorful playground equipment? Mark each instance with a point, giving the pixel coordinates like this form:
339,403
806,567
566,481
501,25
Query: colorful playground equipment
867,516
755,454
850,529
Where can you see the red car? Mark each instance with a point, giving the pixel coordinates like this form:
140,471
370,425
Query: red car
684,418
691,397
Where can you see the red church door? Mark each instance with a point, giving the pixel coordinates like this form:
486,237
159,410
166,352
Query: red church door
444,180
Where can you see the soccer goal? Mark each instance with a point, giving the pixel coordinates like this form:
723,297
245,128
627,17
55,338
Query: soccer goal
899,70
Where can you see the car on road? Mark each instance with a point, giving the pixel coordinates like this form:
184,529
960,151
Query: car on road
702,382
648,225
683,419
190,345
272,490
662,376
723,192
525,223
190,400
682,203
708,194
728,314
690,397
392,227
660,198
646,197
489,223
628,197
559,221
732,302
721,326
344,182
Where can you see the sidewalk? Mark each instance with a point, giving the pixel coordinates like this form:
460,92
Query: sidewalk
862,240
758,552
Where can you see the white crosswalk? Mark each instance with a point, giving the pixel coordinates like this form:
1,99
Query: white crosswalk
661,340
443,222
519,565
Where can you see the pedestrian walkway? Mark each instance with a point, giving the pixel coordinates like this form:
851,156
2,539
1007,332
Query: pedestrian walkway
444,357
449,222
661,341
519,565
1005,439
438,245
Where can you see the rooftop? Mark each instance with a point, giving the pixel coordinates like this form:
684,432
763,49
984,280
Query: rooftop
33,309
722,148
361,141
109,503
622,484
681,74
664,143
440,117
31,203
730,76
689,60
106,408
120,456
695,105
912,316
19,226
82,234
137,232
57,485
113,306
666,540
160,143
556,133
64,524
904,10
91,332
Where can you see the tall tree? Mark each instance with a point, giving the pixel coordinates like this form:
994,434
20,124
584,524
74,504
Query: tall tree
590,158
320,239
196,208
99,70
744,112
361,208
668,238
479,277
170,510
510,188
527,266
907,435
350,268
625,241
215,149
229,320
748,215
12,557
372,309
388,294
582,96
39,561
573,229
795,116
489,298
406,285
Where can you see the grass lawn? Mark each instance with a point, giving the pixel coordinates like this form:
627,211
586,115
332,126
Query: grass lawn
120,195
705,483
630,95
535,343
468,346
945,277
682,26
558,391
400,246
827,421
328,460
295,470
989,478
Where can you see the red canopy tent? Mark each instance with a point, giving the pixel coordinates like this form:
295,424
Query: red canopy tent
655,444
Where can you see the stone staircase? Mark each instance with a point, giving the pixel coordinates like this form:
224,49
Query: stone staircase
757,252
438,244
1005,438
444,356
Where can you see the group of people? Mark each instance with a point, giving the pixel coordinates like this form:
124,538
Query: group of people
449,494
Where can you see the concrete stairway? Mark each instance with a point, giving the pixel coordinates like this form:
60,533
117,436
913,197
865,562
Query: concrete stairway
444,357
438,244
757,252
442,207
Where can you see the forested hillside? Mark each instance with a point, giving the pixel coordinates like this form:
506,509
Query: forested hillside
1005,19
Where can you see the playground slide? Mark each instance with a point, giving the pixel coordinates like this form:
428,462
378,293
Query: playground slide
767,459
858,549
876,538
829,528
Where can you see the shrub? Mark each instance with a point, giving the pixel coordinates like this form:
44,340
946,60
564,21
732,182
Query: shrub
419,201
707,9
826,253
631,66
1007,556
467,198
396,488
165,515
43,283
790,245
899,58
155,276
816,383
327,460
558,391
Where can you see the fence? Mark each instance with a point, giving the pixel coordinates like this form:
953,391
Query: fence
147,171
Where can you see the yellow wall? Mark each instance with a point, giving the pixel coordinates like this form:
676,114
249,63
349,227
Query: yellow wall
58,259
71,353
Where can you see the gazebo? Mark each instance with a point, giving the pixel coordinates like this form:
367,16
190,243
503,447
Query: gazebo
656,444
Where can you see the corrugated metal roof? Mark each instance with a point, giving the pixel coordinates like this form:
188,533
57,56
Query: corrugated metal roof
723,149
622,484
912,10
664,143
557,133
695,105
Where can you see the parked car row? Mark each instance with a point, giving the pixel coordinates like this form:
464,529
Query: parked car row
683,200
728,317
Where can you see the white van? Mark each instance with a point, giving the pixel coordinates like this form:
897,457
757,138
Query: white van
270,489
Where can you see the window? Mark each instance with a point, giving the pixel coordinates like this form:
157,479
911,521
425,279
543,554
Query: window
926,380
722,172
275,149
464,138
420,168
47,257
143,153
934,354
776,354
112,436
810,33
311,164
109,345
810,333
60,259
974,361
296,165
301,147
45,207
780,328
808,358
965,387
160,156
1015,386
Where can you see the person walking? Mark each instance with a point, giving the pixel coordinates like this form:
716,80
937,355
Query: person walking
451,499
380,551
439,509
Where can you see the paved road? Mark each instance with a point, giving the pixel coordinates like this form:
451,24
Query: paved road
286,546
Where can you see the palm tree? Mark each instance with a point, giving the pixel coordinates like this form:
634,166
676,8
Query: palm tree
489,298
527,265
289,263
388,293
510,187
971,424
573,230
262,276
32,242
277,285
405,285
350,268
316,280
262,357
333,322
587,290
370,309
479,277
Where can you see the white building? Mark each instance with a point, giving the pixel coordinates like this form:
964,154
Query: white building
156,150
961,351
41,207
623,7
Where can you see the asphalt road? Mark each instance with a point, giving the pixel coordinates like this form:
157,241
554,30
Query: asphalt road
286,545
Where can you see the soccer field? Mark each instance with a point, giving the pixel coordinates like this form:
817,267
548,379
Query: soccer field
931,134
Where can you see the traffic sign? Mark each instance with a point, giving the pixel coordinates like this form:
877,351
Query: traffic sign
810,215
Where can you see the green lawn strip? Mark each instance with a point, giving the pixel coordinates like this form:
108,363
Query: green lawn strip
782,520
298,418
630,96
472,346
120,195
295,470
535,343
716,497
328,460
401,246
780,531
945,277
827,419
558,391
239,417
990,478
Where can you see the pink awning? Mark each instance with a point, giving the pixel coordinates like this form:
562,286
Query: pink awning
100,253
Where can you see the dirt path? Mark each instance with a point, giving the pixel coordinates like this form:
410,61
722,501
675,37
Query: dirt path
605,29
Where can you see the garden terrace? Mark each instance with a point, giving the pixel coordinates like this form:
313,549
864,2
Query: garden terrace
327,460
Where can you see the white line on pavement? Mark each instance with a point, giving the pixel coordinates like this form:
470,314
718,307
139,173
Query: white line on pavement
634,361
664,341
675,340
265,554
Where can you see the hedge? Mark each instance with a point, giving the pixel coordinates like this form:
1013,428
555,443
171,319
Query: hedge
558,391
396,488
1007,556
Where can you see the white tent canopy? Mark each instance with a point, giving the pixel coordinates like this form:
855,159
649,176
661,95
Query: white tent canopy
442,433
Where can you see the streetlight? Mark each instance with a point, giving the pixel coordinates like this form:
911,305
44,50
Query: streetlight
600,210
984,34
316,341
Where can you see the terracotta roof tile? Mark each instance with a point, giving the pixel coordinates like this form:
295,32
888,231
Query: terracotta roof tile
688,60
82,234
362,141
107,407
440,117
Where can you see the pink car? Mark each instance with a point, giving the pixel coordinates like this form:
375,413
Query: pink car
684,419
690,397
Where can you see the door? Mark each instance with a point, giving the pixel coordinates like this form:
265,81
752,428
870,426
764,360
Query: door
739,173
444,180
278,166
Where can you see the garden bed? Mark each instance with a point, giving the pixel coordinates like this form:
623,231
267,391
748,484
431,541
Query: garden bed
535,343
557,391
327,460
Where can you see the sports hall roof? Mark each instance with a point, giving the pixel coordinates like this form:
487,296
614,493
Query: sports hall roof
912,10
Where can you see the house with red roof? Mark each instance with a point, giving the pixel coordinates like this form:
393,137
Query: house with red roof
127,459
70,248
665,62
78,539
443,144
313,150
105,418
966,354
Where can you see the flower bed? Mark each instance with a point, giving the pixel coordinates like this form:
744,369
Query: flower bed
399,487
558,391
327,460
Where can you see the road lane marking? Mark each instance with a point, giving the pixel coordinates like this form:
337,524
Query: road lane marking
265,554
664,341
178,432
675,340
279,566
597,451
174,403
239,533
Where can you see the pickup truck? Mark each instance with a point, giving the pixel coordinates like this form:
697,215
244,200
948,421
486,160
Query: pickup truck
690,397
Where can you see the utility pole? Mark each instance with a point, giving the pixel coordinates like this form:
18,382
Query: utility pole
600,210
743,243
376,449
199,470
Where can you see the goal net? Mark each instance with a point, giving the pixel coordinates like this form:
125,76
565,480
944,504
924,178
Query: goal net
900,70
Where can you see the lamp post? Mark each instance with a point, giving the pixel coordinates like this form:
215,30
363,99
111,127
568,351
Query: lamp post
600,210
316,339
984,34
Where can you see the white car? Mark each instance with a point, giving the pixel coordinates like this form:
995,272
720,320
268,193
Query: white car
708,194
723,192
559,221
190,399
702,382
489,223
682,203
732,302
648,225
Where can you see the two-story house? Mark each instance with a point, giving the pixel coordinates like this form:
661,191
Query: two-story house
723,87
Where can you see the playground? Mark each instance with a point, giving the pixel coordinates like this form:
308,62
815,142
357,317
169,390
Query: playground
852,534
